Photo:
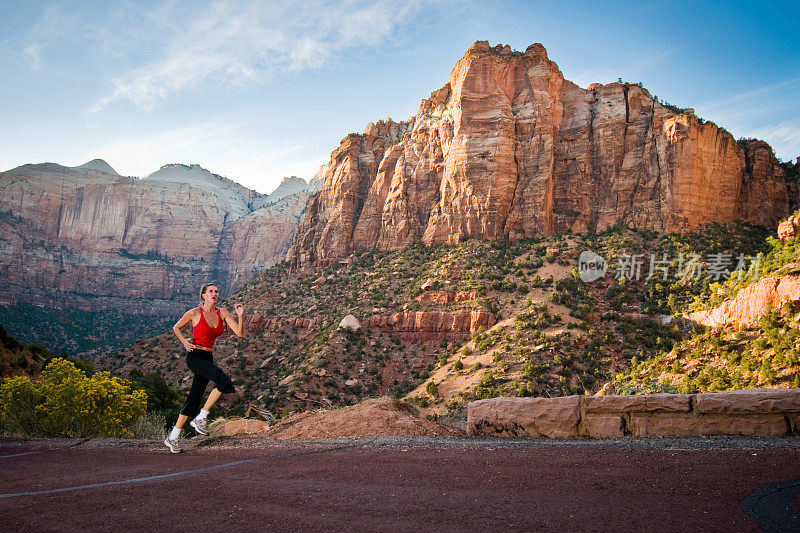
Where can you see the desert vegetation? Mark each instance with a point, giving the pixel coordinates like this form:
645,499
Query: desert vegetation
46,395
730,358
76,330
67,402
549,332
719,359
553,334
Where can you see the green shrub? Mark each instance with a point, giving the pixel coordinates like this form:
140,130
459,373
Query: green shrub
19,398
432,389
149,426
65,402
161,396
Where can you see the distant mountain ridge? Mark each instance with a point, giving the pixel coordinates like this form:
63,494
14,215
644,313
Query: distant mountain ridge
98,164
293,185
239,198
87,237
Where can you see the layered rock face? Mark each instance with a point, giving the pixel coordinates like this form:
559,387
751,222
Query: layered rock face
415,326
88,237
509,149
789,228
424,326
753,412
752,302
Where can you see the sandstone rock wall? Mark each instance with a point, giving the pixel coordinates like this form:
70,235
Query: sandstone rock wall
754,412
765,186
509,148
88,237
422,326
752,302
789,228
415,326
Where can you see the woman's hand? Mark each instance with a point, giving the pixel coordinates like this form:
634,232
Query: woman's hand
185,319
189,346
237,325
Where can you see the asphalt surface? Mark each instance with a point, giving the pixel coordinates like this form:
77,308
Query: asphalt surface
401,484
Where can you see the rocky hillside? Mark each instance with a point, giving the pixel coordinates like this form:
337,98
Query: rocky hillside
19,358
750,336
508,148
88,239
445,324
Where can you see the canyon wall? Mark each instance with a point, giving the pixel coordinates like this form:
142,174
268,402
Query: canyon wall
510,149
88,237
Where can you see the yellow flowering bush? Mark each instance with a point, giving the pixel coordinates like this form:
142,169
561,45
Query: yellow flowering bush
66,402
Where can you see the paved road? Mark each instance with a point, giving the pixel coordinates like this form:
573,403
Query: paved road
393,485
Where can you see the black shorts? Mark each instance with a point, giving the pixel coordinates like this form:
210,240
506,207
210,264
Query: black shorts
202,364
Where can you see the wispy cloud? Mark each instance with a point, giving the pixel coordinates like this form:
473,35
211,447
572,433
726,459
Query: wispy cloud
33,57
749,103
784,138
759,92
52,27
629,69
241,43
761,113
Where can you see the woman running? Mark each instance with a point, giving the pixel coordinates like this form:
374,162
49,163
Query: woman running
208,323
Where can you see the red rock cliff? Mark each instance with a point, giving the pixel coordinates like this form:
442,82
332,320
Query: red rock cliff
509,148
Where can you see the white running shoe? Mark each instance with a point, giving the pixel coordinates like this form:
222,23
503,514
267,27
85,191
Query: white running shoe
200,425
172,445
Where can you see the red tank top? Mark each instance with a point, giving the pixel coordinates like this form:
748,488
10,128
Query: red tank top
205,335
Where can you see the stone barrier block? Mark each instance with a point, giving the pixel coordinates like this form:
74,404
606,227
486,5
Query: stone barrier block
794,423
525,417
687,425
649,403
749,401
603,427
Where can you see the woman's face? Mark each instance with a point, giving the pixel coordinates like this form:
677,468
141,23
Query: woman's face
211,295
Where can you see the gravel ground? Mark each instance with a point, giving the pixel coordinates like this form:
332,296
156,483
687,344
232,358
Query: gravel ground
255,442
401,484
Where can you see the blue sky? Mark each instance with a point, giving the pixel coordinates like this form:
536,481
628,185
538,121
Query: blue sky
260,90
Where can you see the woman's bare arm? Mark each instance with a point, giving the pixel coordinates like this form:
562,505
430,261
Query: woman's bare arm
236,325
185,319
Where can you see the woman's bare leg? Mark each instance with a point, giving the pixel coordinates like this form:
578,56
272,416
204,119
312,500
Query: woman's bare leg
181,421
212,399
172,438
